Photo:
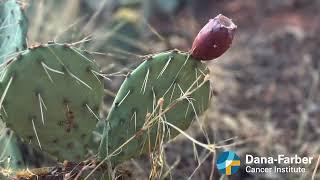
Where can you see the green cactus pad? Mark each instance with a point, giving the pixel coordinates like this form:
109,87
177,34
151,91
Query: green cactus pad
13,28
166,75
51,97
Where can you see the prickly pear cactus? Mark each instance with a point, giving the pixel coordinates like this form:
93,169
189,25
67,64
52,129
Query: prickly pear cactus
169,86
50,96
13,28
163,95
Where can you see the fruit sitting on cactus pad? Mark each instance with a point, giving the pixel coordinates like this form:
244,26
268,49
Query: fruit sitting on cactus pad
164,94
13,29
167,87
50,97
60,85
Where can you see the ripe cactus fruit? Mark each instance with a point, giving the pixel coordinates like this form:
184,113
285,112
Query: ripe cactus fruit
51,95
169,86
214,38
13,28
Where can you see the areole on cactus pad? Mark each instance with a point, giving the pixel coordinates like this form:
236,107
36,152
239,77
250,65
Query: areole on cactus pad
51,96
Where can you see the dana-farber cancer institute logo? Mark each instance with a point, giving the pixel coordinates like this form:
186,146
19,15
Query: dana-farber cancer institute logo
228,162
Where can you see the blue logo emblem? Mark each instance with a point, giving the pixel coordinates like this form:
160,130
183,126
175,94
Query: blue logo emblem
228,162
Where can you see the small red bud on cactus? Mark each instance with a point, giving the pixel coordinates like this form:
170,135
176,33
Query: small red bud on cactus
214,38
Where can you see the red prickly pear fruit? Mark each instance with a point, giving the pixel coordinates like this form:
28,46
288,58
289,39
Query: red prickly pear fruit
213,39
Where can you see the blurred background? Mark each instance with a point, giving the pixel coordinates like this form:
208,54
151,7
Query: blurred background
267,99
